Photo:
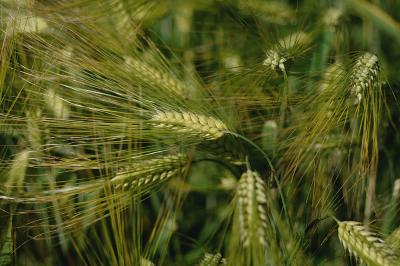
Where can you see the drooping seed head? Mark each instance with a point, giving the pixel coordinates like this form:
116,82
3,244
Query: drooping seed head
190,124
365,245
150,172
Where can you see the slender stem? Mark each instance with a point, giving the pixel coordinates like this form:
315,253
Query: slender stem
373,100
284,102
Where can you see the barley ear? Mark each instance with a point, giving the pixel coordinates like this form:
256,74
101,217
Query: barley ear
365,246
274,60
252,213
365,74
148,173
190,124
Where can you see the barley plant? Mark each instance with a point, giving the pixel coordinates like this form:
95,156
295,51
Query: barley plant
202,132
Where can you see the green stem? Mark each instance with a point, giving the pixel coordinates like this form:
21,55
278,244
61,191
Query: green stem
284,101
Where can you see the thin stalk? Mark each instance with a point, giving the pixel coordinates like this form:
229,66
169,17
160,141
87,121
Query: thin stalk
284,102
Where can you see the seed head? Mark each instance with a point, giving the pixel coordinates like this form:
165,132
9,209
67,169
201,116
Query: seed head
365,74
190,124
275,60
364,245
252,212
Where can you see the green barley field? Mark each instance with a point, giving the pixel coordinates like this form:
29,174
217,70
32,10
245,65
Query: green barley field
200,132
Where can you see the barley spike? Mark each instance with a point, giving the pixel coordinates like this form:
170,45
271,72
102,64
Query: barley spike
365,246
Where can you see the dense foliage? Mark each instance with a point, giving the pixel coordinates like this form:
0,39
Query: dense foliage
203,132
